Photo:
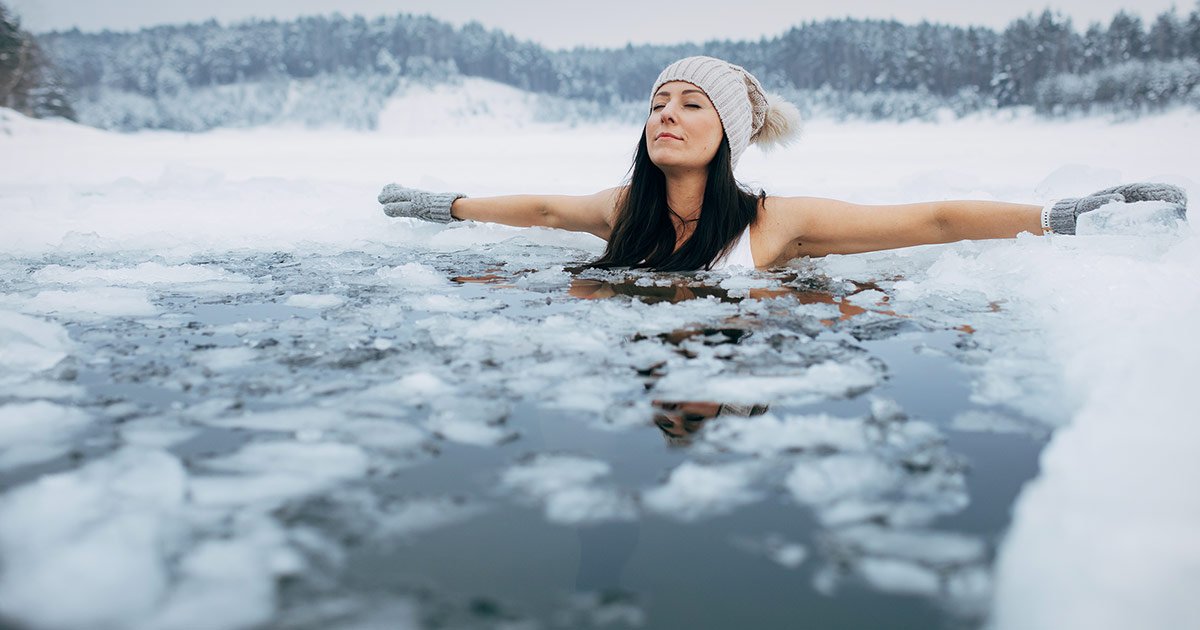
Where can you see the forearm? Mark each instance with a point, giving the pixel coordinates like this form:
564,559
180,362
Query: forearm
962,220
515,210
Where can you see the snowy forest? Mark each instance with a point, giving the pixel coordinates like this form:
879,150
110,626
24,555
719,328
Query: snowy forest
338,70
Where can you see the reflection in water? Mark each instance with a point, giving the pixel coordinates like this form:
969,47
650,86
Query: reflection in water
678,420
875,485
589,289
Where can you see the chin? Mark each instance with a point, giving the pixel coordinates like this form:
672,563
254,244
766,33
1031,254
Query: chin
665,161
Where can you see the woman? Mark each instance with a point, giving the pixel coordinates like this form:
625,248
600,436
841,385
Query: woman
683,210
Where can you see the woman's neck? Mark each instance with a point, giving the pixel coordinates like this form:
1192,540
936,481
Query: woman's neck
685,194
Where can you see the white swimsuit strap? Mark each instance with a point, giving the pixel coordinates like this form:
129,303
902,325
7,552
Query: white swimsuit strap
740,255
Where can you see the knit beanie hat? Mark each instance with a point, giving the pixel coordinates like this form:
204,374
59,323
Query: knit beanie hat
748,113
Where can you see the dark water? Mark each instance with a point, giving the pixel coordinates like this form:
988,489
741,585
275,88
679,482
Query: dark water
508,565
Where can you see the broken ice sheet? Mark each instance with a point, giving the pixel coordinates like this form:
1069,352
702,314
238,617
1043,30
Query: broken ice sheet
771,435
786,553
470,420
698,491
1141,218
413,277
948,566
318,423
29,345
315,300
366,514
89,304
568,488
196,278
831,379
266,474
37,431
108,525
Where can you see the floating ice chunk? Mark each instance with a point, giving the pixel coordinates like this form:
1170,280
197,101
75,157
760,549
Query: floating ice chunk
769,435
92,303
291,419
1141,218
474,421
452,304
574,506
41,390
157,432
315,300
411,389
829,479
544,279
789,555
227,583
147,273
783,552
220,359
602,610
413,276
421,515
969,589
695,491
830,379
37,431
566,486
108,525
936,548
746,279
544,475
593,394
899,576
389,435
267,473
994,422
29,345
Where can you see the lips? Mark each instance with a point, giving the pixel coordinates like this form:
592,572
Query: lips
668,135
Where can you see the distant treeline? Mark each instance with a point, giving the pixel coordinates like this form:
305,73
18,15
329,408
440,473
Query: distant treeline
862,67
28,81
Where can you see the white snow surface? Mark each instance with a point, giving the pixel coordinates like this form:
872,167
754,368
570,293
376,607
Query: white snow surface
1097,334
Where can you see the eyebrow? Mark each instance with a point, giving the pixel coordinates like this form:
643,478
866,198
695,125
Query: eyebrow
687,91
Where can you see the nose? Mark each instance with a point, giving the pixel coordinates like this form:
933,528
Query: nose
667,113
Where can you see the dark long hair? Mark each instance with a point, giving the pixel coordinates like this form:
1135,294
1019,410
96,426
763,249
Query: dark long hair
643,230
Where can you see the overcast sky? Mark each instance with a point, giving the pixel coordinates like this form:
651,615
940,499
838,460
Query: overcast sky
596,23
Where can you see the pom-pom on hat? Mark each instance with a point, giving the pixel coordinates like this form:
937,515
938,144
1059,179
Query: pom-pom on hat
748,113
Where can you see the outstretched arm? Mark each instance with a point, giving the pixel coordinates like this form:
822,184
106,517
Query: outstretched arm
817,227
586,213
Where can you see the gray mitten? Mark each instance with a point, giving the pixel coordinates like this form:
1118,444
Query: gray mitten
399,201
1146,191
1061,216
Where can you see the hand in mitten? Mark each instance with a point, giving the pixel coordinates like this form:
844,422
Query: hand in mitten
1147,191
1061,216
399,201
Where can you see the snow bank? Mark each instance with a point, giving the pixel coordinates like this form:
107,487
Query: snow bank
1100,539
1095,333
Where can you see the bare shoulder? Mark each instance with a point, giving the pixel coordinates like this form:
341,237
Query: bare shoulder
790,213
788,226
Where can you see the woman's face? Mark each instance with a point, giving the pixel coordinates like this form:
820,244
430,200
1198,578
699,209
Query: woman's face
683,131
